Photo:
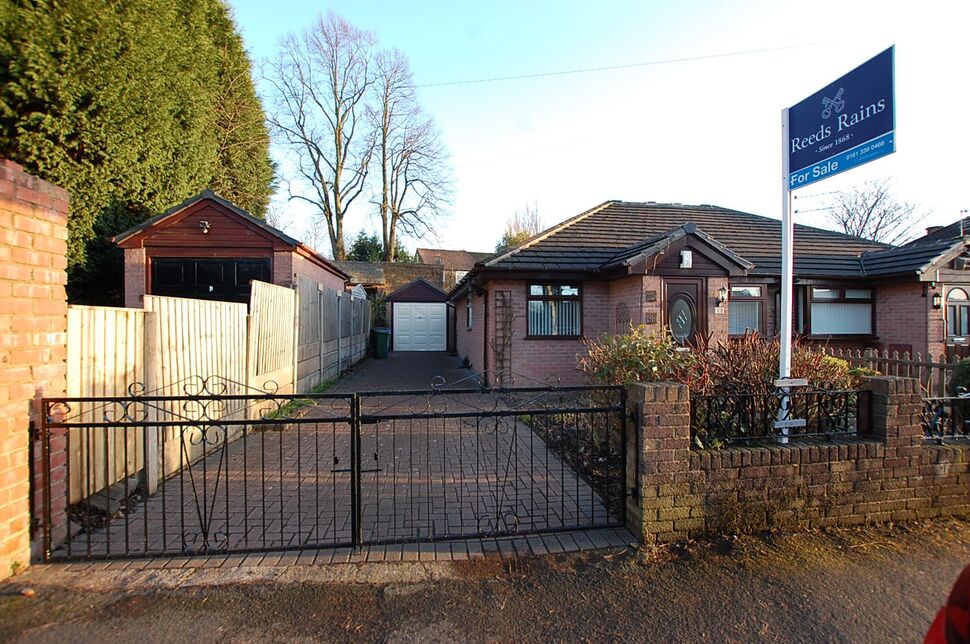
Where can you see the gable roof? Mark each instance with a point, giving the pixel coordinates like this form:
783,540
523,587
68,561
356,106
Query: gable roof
209,195
453,260
593,239
418,290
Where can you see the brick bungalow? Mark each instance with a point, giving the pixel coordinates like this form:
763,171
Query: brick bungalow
702,271
209,248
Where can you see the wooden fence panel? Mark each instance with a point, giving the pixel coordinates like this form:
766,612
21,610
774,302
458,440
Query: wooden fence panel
272,337
934,374
105,357
334,331
202,349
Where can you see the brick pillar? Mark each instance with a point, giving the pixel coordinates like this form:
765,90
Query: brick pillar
33,348
895,409
658,458
136,268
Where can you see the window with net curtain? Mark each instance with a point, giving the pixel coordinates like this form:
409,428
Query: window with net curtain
555,310
841,311
744,310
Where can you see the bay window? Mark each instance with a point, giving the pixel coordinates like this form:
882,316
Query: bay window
555,310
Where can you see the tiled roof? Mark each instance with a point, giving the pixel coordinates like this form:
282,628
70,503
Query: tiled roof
944,233
595,238
453,260
906,259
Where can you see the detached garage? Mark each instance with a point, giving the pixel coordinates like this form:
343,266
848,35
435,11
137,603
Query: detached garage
209,248
419,316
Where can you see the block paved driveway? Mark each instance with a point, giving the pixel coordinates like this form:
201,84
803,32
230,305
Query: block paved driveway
466,475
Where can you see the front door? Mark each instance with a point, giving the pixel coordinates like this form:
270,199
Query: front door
685,309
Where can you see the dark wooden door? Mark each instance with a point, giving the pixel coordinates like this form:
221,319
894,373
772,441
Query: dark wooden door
685,310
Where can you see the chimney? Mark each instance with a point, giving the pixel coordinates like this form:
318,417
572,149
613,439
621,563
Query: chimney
932,229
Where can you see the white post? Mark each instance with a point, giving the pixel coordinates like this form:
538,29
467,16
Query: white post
787,279
787,234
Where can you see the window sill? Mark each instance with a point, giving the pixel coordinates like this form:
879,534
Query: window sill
553,337
842,336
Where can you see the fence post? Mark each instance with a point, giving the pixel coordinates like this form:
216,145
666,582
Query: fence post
153,378
296,339
320,351
340,330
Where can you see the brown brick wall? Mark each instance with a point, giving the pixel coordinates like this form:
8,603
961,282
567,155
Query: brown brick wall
888,475
33,335
902,318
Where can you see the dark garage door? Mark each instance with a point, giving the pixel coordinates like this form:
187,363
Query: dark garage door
227,280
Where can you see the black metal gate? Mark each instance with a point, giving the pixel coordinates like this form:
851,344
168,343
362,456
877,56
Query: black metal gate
214,471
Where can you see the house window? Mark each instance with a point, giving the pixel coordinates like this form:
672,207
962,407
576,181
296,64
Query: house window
841,311
745,310
555,310
468,311
459,275
957,313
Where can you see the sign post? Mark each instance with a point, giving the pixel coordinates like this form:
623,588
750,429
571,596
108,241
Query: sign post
847,123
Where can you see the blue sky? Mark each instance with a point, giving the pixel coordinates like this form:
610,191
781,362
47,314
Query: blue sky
705,131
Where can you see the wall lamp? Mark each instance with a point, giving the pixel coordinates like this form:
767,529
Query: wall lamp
722,294
937,301
204,225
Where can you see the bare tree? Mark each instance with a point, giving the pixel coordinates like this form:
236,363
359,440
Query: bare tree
873,212
319,85
520,227
415,182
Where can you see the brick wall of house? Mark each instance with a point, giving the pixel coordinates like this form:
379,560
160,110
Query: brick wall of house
890,474
136,263
549,360
902,317
717,316
33,343
469,342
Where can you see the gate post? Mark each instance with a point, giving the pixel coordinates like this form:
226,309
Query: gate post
355,466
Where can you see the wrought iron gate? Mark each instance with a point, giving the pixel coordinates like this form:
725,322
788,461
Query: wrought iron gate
215,471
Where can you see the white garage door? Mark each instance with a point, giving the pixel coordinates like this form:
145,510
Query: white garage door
419,326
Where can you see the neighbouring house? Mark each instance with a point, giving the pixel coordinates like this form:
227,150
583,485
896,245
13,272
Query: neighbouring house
702,271
381,278
455,263
209,248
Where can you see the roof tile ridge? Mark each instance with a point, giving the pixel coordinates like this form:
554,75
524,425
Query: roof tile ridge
551,231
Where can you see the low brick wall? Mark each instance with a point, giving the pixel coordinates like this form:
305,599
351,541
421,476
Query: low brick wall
890,474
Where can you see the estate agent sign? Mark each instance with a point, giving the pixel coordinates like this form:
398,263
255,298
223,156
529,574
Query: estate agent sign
843,125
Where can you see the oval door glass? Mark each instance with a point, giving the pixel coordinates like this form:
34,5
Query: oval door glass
681,319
